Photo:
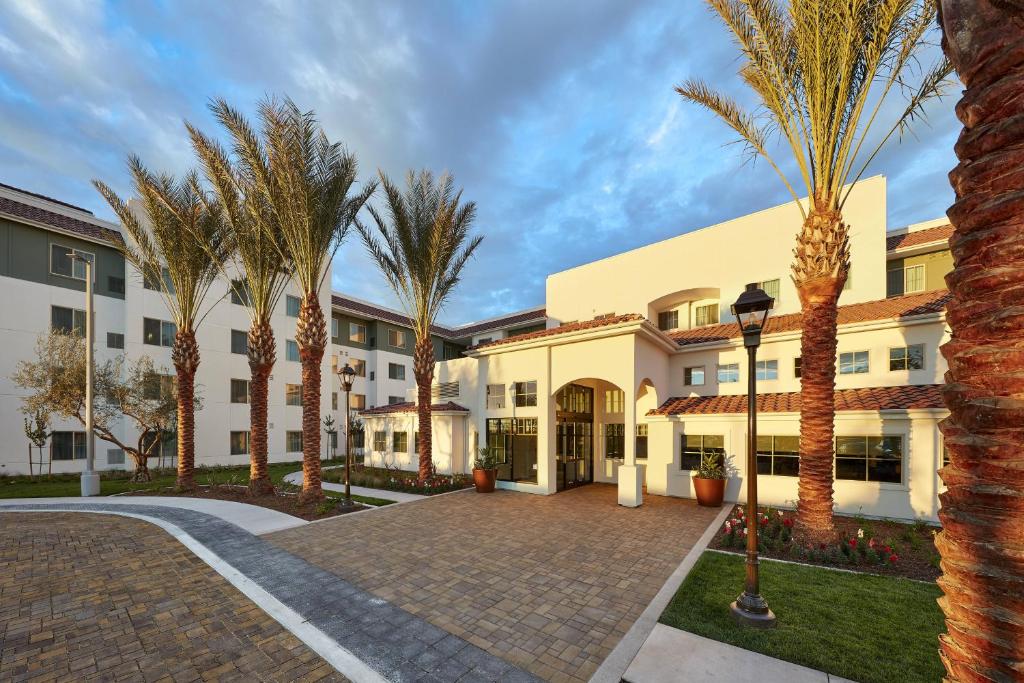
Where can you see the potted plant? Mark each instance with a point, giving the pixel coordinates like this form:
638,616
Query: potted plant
709,480
485,471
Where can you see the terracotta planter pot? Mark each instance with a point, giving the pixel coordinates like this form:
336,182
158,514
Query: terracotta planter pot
709,492
484,480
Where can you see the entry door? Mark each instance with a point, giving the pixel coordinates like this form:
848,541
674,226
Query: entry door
574,454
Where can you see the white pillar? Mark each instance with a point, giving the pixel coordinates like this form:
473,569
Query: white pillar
631,475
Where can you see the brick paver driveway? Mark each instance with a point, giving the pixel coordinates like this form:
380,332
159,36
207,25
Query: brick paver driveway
549,583
100,597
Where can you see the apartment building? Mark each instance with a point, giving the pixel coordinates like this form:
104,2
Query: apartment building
641,371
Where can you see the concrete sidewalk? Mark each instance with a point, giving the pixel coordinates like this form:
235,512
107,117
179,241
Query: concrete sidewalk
671,656
397,496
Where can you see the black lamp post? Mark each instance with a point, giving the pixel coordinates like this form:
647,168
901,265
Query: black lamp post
751,311
347,375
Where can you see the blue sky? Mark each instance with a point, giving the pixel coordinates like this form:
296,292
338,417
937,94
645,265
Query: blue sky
558,118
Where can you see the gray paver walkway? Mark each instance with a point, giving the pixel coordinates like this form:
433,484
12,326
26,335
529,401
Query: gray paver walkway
390,640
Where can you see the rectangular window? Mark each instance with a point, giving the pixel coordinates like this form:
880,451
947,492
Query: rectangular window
913,279
400,442
357,333
396,339
380,441
158,332
771,288
614,400
293,442
239,391
67,320
894,282
67,445
853,363
359,365
151,281
240,442
641,442
495,396
335,329
514,444
291,350
614,441
357,401
292,304
767,369
116,286
396,371
115,456
705,315
668,320
526,394
907,357
729,372
797,366
158,387
693,447
778,455
392,400
334,400
293,394
115,340
870,458
239,342
239,292
62,263
693,377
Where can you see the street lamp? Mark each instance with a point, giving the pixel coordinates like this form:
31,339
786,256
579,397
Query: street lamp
347,375
751,311
90,483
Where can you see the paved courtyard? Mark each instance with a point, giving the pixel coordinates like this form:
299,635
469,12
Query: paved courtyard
548,583
100,597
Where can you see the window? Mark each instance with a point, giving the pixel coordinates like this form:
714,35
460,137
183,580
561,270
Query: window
357,401
67,320
870,458
240,442
115,456
614,441
913,279
62,263
495,396
396,371
293,442
392,400
380,441
334,400
526,394
797,367
357,333
767,369
239,292
693,447
907,357
115,340
239,342
705,315
853,363
778,455
372,373
771,288
67,446
335,329
239,391
158,332
484,340
693,377
291,350
396,339
400,442
293,394
149,281
729,372
359,365
514,444
116,286
641,442
158,387
668,320
292,304
614,400
894,281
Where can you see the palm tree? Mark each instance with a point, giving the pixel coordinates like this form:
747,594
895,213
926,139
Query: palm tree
982,513
821,72
165,252
257,252
304,182
425,244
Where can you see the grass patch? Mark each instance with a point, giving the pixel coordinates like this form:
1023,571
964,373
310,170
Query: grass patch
874,629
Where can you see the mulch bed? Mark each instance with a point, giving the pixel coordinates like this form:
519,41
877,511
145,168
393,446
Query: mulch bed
287,503
390,479
872,546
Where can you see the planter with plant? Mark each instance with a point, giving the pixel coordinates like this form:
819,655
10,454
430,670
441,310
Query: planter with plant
709,480
485,471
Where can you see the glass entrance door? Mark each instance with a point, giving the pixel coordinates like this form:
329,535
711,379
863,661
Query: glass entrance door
574,436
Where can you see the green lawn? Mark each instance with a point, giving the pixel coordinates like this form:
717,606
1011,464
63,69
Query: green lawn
112,483
865,628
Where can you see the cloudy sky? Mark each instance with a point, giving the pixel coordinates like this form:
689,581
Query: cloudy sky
557,117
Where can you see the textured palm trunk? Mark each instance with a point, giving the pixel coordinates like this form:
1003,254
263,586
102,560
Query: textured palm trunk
982,512
185,356
311,337
820,271
262,356
423,368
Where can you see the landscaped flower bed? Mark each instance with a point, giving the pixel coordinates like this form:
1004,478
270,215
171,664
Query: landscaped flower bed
398,480
875,546
282,501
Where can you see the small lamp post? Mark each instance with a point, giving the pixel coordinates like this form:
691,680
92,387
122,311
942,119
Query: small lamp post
751,311
347,375
90,482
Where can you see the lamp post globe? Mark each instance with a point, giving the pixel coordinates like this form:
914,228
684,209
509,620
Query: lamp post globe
347,374
751,310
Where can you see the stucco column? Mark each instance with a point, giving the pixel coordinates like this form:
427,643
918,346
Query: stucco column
630,474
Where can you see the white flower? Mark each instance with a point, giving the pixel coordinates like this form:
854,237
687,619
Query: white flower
860,533
780,513
744,532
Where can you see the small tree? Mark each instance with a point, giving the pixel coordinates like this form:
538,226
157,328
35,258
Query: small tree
138,391
37,430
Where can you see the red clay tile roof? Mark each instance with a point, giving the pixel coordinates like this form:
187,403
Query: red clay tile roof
872,398
912,239
885,309
410,407
16,209
565,328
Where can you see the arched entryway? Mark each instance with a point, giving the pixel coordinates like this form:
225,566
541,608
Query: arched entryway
589,432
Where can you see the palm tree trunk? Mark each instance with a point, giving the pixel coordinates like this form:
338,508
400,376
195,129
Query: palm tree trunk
262,355
185,356
311,337
982,512
423,368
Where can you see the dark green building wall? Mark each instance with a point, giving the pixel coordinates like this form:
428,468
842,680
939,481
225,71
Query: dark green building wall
936,265
377,337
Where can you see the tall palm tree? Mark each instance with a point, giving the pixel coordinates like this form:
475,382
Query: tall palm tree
165,243
257,269
982,512
425,245
306,183
821,73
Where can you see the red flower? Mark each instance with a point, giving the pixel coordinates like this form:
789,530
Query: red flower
893,558
886,549
871,543
764,521
787,522
821,546
853,542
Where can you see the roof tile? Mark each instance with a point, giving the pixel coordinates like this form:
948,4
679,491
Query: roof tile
904,397
565,328
29,212
912,239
